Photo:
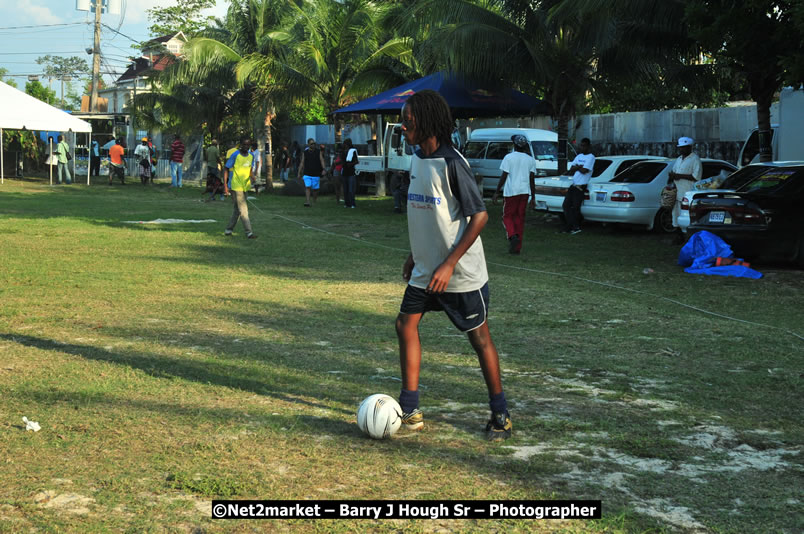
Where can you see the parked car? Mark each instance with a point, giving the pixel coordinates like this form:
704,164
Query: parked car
731,183
487,147
550,191
763,218
633,196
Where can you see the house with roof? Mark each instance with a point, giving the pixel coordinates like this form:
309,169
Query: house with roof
157,54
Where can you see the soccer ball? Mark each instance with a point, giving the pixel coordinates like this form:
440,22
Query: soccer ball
379,416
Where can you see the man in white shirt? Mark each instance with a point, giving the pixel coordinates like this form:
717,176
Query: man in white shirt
686,171
581,169
518,178
349,177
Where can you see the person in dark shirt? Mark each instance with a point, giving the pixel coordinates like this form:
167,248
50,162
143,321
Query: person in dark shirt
311,169
176,161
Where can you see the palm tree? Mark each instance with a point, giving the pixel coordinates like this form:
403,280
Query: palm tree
546,46
327,49
182,97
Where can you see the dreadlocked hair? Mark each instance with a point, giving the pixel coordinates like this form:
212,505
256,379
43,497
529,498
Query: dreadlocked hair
432,115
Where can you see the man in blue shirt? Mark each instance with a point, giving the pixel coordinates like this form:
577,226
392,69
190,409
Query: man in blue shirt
94,158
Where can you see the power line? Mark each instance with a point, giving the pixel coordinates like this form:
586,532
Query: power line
40,26
39,53
120,33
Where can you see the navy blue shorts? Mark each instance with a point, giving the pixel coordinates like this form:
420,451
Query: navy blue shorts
467,311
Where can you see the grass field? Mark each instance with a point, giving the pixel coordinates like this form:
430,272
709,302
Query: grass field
169,365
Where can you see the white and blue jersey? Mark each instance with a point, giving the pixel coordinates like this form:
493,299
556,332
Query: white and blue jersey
442,196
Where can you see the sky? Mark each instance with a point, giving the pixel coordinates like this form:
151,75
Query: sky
33,28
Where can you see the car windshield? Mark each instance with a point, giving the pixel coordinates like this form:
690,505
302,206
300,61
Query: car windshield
641,173
499,149
545,150
738,178
475,149
775,181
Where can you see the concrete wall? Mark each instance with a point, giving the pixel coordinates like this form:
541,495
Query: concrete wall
360,134
718,133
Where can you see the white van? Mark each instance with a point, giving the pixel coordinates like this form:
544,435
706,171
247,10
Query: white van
487,147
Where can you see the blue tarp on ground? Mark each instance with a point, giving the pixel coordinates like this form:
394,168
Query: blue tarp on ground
701,251
465,98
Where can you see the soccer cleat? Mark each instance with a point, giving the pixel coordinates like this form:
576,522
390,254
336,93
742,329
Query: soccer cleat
413,421
576,231
499,427
251,236
227,233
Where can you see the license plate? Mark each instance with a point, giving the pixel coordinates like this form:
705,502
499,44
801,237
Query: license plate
541,205
600,196
717,216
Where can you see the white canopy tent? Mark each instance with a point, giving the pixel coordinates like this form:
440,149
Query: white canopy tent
20,111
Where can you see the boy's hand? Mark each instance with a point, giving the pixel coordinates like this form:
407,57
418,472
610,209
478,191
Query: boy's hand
440,280
407,268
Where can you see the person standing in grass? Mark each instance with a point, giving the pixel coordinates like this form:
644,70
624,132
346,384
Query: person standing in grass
349,174
446,269
240,166
176,161
117,166
143,154
518,178
94,158
311,169
581,169
62,153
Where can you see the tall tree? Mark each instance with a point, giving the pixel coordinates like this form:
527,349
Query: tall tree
39,91
63,69
183,16
762,40
330,49
541,45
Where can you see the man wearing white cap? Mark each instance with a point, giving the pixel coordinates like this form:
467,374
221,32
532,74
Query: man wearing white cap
686,171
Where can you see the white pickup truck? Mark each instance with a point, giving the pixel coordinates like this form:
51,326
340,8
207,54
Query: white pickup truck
396,157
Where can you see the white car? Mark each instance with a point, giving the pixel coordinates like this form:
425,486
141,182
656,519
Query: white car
634,195
732,182
550,191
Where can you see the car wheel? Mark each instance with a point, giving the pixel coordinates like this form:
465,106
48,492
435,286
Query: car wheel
663,222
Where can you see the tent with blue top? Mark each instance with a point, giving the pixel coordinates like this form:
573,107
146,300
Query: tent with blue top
467,99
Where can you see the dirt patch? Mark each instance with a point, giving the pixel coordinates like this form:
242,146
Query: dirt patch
71,503
677,516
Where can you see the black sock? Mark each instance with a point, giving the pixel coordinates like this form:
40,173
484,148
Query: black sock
497,403
409,400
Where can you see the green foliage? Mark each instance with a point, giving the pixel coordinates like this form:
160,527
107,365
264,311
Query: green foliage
761,39
184,16
39,91
9,81
26,142
314,112
57,66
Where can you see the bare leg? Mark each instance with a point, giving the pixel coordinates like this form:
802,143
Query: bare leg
480,338
307,194
410,349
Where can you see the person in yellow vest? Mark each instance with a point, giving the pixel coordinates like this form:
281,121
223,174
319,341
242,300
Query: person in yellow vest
239,166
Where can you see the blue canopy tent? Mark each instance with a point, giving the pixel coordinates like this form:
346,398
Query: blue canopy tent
466,99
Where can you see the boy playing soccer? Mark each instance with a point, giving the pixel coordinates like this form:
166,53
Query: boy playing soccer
446,269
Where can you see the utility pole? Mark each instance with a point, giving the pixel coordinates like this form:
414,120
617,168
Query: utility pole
93,97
